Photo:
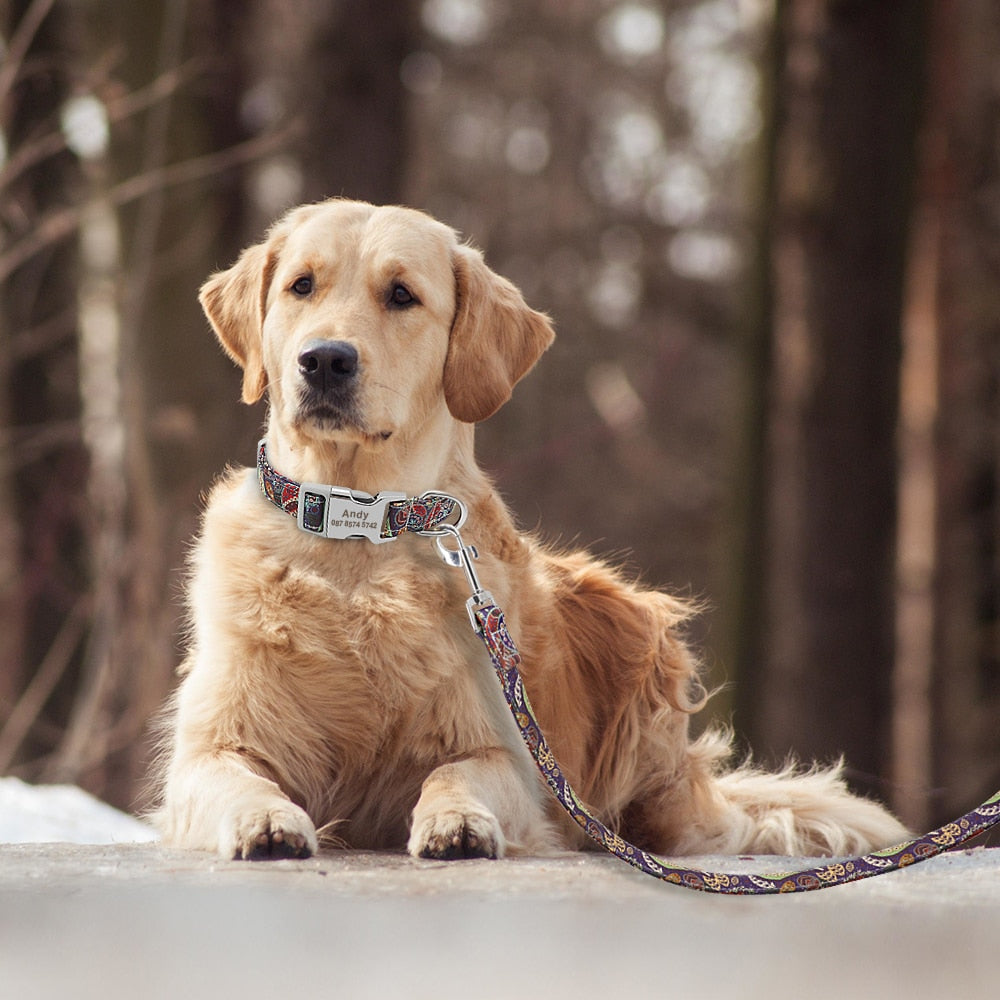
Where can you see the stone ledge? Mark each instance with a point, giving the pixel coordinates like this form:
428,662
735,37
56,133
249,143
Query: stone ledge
139,920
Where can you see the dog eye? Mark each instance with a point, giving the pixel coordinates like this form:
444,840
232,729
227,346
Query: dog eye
400,296
302,286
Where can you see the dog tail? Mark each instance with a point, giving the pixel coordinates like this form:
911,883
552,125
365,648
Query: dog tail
796,812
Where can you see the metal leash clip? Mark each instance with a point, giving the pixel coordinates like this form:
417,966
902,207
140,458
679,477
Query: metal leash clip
463,558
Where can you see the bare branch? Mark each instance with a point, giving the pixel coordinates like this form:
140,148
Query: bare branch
35,442
35,340
164,86
30,154
48,675
21,41
57,225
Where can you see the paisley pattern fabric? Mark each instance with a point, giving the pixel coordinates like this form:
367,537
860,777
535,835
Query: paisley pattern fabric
282,492
506,659
419,514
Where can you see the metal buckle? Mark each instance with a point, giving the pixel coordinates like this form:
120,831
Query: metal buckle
343,514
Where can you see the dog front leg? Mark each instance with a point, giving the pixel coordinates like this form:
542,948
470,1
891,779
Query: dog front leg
482,806
217,803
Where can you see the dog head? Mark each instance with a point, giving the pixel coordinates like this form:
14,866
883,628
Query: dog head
359,320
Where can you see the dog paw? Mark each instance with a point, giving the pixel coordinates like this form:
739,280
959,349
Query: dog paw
283,831
457,833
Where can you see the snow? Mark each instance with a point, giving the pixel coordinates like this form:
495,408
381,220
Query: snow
63,814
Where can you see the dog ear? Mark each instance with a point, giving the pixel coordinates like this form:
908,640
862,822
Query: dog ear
234,303
495,340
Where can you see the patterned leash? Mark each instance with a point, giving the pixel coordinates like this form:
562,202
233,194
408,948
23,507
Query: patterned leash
336,512
488,621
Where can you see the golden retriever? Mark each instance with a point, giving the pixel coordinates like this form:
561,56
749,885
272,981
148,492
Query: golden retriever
337,685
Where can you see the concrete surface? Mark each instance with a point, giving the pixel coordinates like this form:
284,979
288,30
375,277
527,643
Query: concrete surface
139,921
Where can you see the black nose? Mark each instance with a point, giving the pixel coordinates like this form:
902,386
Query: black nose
325,364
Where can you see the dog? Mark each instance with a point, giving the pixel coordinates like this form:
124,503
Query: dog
334,692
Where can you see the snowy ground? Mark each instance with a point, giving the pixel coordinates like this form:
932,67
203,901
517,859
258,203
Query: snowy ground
63,814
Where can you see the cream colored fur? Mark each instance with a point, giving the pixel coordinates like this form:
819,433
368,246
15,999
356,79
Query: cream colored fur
337,686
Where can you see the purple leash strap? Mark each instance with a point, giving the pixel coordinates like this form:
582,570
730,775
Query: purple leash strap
488,621
506,659
336,512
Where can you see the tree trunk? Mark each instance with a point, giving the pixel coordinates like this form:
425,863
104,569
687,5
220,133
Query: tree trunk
962,178
353,99
43,468
816,680
175,427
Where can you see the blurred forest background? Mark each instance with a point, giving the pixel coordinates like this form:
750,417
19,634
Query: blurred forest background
768,232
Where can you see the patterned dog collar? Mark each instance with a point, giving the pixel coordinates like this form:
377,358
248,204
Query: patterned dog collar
337,512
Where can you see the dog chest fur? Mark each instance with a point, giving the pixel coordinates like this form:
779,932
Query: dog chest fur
361,654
